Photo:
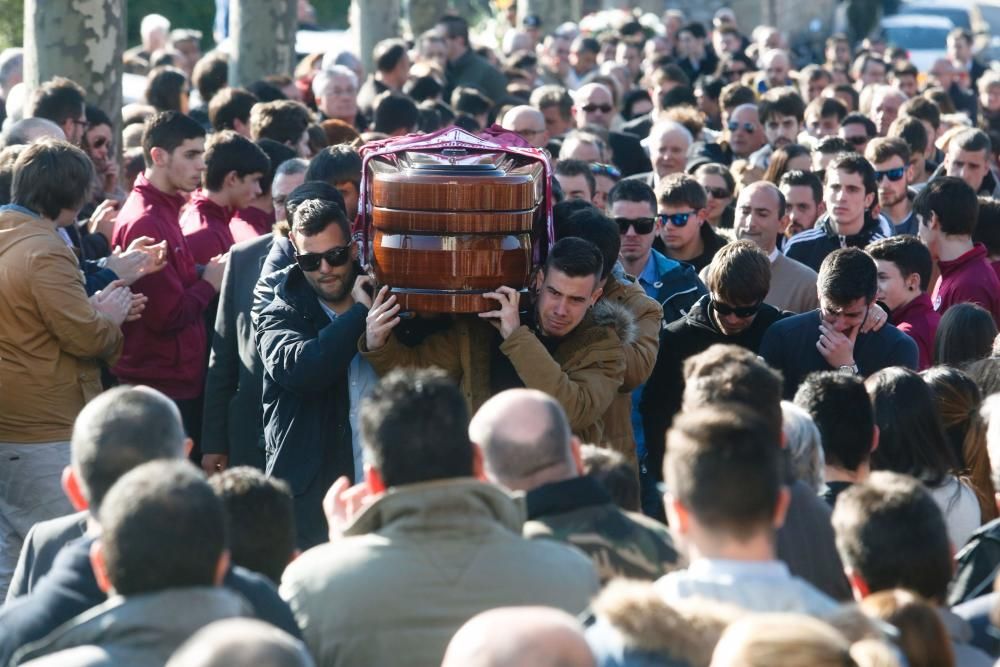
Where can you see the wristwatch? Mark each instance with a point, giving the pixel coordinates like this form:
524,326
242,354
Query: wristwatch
849,370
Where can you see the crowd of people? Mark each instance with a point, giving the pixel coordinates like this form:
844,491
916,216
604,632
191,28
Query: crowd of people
744,415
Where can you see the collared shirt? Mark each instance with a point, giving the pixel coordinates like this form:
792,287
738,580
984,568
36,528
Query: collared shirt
760,586
648,278
774,254
361,379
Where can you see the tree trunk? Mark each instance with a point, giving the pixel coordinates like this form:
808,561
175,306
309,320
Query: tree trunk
82,40
371,22
263,38
422,15
552,12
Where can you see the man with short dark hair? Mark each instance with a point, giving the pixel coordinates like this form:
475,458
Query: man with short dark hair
782,112
465,66
904,274
340,166
162,554
849,193
234,167
117,431
392,69
566,346
166,348
64,103
891,534
313,377
284,121
696,56
968,157
726,375
803,193
394,114
948,210
847,284
229,109
576,180
732,312
526,445
233,427
857,130
420,497
726,499
51,337
261,520
257,218
842,411
674,285
685,231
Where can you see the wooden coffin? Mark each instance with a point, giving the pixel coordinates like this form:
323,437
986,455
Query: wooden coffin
451,225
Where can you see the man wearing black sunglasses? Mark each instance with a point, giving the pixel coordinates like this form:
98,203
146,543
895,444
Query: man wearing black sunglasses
733,312
314,379
857,130
595,105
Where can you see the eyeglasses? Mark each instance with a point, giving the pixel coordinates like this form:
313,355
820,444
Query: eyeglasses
640,225
310,261
717,193
609,170
747,127
675,219
857,139
81,123
740,311
603,108
892,174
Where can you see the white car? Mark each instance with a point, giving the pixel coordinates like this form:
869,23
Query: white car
923,36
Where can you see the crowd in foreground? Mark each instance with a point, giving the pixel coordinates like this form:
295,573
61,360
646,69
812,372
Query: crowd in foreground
744,414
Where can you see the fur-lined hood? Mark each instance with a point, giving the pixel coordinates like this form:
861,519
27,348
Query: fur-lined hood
648,631
616,315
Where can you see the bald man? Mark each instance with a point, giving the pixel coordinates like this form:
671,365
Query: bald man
526,445
528,122
776,66
668,144
235,642
519,637
761,217
593,104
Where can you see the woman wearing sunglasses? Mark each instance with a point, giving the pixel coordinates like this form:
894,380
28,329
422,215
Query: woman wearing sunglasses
719,185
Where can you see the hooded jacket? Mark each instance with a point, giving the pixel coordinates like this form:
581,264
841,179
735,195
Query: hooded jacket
50,335
584,371
419,562
813,245
139,631
696,332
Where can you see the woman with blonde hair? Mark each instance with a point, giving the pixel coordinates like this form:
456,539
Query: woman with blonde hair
792,640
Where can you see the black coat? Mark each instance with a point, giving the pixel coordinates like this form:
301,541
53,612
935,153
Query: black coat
628,154
683,338
306,357
232,421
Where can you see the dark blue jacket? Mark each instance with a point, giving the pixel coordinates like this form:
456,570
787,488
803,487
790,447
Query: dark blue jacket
306,358
677,287
70,589
789,345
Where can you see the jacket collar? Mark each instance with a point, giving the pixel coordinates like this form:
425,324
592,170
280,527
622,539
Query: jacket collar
151,193
295,291
978,252
212,212
174,612
920,304
868,230
565,496
440,506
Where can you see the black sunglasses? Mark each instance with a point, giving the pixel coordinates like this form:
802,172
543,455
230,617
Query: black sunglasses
857,139
892,174
641,225
742,311
717,193
747,127
603,108
310,261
